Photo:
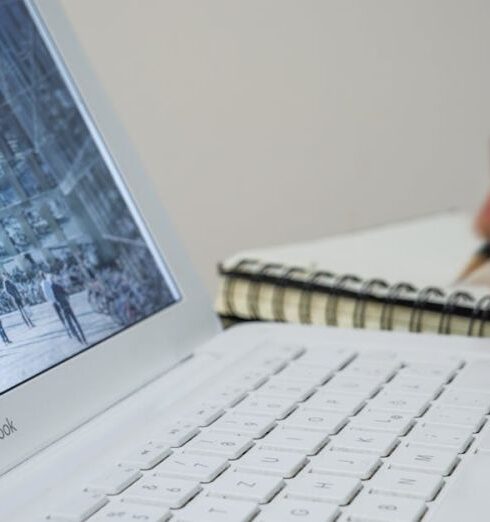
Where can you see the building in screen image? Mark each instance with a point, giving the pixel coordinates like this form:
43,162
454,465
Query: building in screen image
74,265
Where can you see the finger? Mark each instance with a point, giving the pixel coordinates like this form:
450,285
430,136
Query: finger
482,221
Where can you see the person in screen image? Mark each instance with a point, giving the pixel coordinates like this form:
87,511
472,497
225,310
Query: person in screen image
3,334
61,303
47,289
11,289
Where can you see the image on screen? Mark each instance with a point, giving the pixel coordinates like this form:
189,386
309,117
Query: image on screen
75,266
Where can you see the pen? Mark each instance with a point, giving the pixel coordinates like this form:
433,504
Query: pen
481,256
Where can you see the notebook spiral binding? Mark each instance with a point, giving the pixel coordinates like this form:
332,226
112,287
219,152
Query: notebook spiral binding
257,274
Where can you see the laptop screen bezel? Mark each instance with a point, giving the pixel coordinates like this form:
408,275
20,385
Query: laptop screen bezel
55,402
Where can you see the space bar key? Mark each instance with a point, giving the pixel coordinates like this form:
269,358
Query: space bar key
468,493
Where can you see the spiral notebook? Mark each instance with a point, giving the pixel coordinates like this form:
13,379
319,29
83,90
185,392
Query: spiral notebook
393,277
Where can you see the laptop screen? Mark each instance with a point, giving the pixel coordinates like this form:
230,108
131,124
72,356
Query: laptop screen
76,263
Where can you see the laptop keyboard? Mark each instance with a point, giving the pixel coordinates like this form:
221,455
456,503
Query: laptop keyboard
311,435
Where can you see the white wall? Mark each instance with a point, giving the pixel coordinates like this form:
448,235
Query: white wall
267,121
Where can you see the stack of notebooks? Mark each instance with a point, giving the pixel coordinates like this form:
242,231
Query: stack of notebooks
396,277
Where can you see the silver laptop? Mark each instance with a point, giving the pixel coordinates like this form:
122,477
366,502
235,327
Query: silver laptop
120,397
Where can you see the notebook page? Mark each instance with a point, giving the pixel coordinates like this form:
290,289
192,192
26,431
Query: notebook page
425,251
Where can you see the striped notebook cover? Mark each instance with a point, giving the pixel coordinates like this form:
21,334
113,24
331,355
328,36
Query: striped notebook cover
383,285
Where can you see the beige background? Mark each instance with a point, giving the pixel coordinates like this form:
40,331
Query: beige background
266,121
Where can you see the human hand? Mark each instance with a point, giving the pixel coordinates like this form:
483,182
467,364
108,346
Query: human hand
477,272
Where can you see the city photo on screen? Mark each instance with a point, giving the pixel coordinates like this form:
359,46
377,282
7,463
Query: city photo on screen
75,266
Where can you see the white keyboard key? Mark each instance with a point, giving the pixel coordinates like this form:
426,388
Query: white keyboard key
213,509
162,491
127,512
466,399
229,396
333,358
246,486
292,510
272,361
384,508
443,371
255,426
114,480
335,489
290,351
205,413
410,384
176,435
203,468
380,355
146,456
277,407
474,376
293,439
363,441
295,390
466,498
424,459
484,440
406,376
405,483
453,437
272,364
442,414
378,420
252,378
333,401
414,405
345,463
211,442
315,375
78,507
327,422
271,462
352,384
365,367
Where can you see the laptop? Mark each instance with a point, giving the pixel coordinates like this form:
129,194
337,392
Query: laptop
121,399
